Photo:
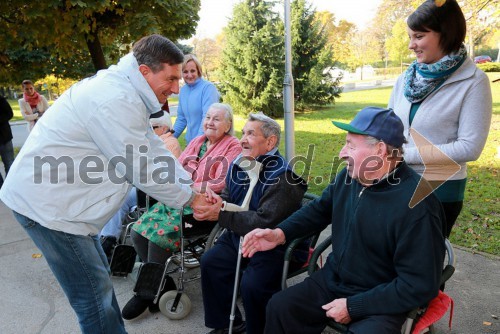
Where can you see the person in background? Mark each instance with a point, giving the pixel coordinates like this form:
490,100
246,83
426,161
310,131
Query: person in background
207,158
386,257
445,98
6,147
277,194
32,104
195,98
162,126
81,160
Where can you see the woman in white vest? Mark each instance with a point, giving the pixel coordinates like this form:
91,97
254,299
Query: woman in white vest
32,104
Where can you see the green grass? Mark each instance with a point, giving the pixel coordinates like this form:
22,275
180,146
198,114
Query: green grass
16,110
478,226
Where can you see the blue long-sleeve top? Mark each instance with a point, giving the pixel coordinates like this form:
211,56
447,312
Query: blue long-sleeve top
194,101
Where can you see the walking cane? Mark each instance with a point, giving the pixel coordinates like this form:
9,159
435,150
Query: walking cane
235,289
252,167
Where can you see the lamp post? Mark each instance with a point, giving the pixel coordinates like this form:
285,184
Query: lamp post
288,103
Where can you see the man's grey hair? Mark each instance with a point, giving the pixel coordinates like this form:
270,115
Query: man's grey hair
156,50
228,114
269,126
390,149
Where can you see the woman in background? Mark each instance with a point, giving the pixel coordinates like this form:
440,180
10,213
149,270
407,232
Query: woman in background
195,98
32,105
445,98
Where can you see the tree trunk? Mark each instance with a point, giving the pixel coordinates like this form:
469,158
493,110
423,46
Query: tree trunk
95,49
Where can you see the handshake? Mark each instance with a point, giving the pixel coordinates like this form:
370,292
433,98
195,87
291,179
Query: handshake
206,205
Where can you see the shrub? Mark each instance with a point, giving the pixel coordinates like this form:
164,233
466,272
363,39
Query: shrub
489,67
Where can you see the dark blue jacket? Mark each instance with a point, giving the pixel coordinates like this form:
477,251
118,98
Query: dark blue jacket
386,257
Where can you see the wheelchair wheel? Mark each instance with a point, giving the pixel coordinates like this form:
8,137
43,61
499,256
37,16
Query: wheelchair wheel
183,307
214,235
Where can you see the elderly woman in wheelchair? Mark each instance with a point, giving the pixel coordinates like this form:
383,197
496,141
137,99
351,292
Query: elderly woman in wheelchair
156,234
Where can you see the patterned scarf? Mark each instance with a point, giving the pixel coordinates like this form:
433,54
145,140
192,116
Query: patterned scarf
421,79
33,99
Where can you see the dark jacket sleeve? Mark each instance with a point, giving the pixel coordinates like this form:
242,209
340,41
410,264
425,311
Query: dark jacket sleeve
278,202
5,110
314,216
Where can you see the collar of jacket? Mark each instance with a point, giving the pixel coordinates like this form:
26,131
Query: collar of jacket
463,72
195,83
128,65
393,178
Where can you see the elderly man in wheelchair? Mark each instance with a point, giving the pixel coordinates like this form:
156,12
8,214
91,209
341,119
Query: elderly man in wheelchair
387,255
266,196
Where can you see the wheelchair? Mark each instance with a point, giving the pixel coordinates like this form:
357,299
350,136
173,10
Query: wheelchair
314,263
154,280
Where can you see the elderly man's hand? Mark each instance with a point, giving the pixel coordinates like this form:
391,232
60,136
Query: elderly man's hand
209,209
337,310
259,240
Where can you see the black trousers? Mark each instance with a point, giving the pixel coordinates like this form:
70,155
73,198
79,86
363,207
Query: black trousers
297,310
451,212
260,279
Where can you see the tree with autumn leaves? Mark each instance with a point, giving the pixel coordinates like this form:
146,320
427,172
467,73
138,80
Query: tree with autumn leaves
74,38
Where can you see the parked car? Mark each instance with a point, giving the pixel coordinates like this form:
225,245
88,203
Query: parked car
482,59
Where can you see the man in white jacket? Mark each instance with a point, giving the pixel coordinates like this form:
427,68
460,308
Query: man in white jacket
81,160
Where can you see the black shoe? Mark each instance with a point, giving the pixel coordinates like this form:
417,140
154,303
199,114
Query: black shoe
135,307
237,329
169,285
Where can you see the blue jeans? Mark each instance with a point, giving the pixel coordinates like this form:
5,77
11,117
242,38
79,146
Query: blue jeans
80,265
7,155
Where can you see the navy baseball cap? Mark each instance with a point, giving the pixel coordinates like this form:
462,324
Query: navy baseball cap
380,123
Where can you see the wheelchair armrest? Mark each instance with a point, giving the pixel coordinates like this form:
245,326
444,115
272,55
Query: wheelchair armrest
449,269
291,248
316,254
447,273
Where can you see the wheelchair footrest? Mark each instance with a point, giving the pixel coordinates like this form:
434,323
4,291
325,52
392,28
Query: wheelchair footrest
149,280
122,260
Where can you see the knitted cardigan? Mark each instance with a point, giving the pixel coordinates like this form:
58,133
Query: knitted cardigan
455,118
211,169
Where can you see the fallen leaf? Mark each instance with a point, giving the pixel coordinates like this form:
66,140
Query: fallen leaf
36,255
486,323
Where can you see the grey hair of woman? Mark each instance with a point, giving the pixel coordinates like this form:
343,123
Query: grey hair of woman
269,126
228,114
156,50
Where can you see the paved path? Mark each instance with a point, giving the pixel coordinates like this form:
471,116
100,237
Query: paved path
32,301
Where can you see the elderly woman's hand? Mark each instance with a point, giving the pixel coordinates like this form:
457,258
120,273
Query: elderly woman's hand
208,211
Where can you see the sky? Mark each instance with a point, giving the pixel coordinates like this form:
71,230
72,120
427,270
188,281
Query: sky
215,14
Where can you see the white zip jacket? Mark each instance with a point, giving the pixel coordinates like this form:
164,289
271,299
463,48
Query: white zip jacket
79,162
455,118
